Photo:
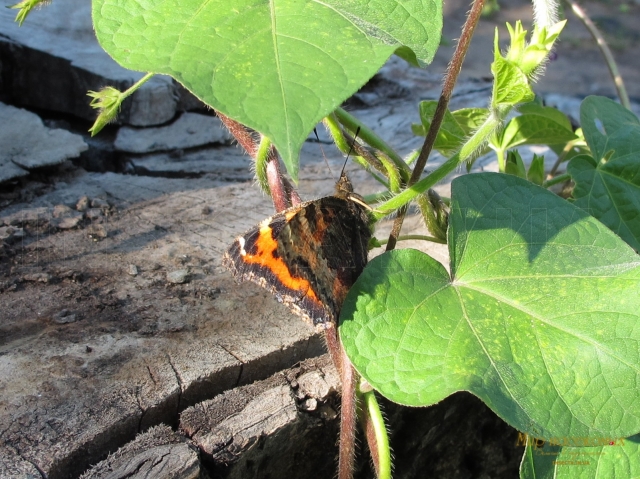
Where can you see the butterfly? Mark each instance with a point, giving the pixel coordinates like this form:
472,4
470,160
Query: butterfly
308,255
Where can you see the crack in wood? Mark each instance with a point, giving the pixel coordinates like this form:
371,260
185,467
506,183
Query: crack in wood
153,379
142,410
237,383
33,463
180,383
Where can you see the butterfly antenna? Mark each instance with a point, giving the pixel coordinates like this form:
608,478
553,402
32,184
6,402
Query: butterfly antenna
350,150
315,132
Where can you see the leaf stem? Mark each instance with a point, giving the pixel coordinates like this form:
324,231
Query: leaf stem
420,187
282,193
374,417
433,239
413,156
241,133
556,180
348,375
262,159
348,416
279,189
471,147
561,157
373,140
501,160
377,197
339,138
129,91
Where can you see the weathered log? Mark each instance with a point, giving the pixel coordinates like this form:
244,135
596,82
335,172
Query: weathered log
157,453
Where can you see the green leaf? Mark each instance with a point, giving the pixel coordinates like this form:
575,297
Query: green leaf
562,458
537,125
456,126
24,9
529,56
511,85
450,136
515,165
540,316
470,119
107,101
608,185
609,126
277,67
536,107
536,170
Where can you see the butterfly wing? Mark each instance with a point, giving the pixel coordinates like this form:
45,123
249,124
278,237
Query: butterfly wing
307,256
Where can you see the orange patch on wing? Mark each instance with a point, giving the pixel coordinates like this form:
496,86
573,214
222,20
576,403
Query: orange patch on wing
265,256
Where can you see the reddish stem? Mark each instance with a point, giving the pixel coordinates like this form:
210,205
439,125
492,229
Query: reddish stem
281,200
244,137
282,192
453,71
372,441
334,347
347,444
348,408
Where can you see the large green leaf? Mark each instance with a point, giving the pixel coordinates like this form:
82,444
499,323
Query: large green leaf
540,316
536,125
606,458
608,185
278,66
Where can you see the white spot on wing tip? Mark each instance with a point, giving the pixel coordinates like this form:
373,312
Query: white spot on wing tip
241,243
265,223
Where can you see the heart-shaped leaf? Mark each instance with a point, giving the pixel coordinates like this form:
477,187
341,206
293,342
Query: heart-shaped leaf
540,316
608,185
276,66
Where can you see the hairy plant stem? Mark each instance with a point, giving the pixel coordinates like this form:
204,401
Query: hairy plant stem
348,416
346,144
348,407
372,420
432,216
493,121
282,192
242,134
371,139
378,160
606,52
453,71
262,160
374,425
